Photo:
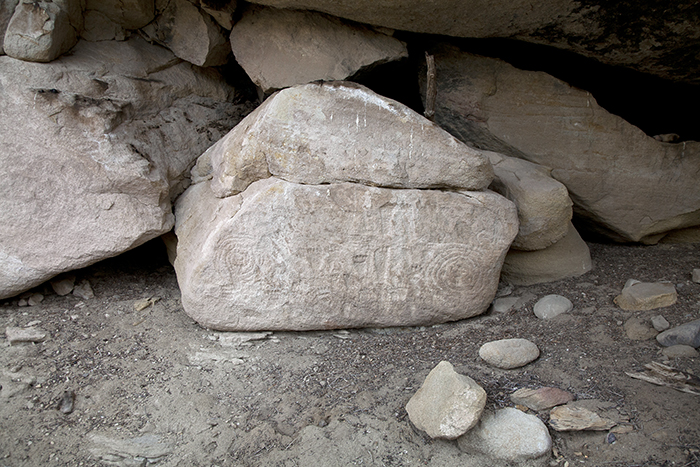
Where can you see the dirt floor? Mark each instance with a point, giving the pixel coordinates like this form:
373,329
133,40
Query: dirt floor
152,386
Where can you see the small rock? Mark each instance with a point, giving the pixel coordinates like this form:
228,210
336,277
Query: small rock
636,329
510,435
448,404
30,334
552,305
83,290
67,402
35,299
568,418
622,429
509,353
63,285
505,304
542,398
641,296
144,303
22,302
685,334
696,275
680,351
660,323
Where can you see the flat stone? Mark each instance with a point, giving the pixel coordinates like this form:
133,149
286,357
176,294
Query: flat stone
680,351
63,284
569,418
508,435
685,334
642,296
17,335
541,398
696,275
509,353
638,329
660,323
553,305
143,450
448,404
504,304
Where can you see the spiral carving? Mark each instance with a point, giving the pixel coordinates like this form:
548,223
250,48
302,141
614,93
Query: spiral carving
452,268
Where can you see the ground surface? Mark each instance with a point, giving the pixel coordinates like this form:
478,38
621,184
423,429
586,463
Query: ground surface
153,386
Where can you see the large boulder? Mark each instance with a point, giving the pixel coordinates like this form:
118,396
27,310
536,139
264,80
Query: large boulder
287,256
92,148
652,37
281,48
624,184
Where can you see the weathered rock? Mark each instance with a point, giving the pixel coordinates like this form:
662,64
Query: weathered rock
92,147
553,305
43,31
638,329
569,257
18,335
544,206
448,404
222,12
191,35
129,14
326,133
509,353
282,48
541,398
685,334
617,177
509,435
660,323
570,418
642,296
7,9
284,256
680,351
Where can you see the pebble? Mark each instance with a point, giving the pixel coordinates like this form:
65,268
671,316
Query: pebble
63,285
67,402
685,334
660,323
508,435
569,418
18,335
541,398
448,404
696,275
83,290
552,305
509,353
504,305
642,296
680,351
637,329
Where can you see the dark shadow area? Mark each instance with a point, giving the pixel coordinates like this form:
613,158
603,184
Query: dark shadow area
396,80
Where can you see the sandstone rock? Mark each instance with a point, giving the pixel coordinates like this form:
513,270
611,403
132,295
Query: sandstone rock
222,12
685,334
617,177
570,418
509,353
42,31
637,329
544,206
448,404
509,435
552,305
282,48
92,147
129,14
541,398
284,256
326,133
680,351
18,335
191,35
7,9
569,257
641,296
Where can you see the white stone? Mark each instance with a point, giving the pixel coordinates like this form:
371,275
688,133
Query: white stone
509,353
552,305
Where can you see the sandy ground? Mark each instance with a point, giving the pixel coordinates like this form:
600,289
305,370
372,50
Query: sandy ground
152,386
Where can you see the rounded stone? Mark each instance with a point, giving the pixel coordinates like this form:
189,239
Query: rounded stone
509,353
680,351
552,305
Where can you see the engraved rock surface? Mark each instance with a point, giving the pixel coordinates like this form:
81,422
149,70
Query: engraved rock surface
341,132
282,48
285,256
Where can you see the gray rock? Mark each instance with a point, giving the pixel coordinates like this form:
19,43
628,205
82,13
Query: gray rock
285,256
509,353
35,299
504,304
337,132
571,418
509,435
282,48
685,334
638,329
541,398
642,296
680,351
569,257
448,404
63,284
7,8
552,305
17,335
660,323
696,275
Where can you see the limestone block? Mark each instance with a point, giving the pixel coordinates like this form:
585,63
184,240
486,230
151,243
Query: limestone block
286,256
7,9
281,48
448,404
326,133
129,14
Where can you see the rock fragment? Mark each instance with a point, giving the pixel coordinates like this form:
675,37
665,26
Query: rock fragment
685,334
642,296
680,351
16,335
448,404
541,398
570,418
660,323
83,290
63,284
553,305
638,329
509,353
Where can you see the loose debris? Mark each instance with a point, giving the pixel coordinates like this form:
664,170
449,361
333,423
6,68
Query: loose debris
663,375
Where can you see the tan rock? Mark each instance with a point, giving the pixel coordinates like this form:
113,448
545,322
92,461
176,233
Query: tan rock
638,329
642,296
569,418
541,398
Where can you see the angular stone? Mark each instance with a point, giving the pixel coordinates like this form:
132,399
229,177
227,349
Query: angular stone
337,132
284,256
637,329
680,351
541,398
552,305
18,335
570,418
685,334
642,296
509,353
43,31
569,257
282,48
7,9
544,206
129,14
448,404
616,175
509,435
191,35
92,148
